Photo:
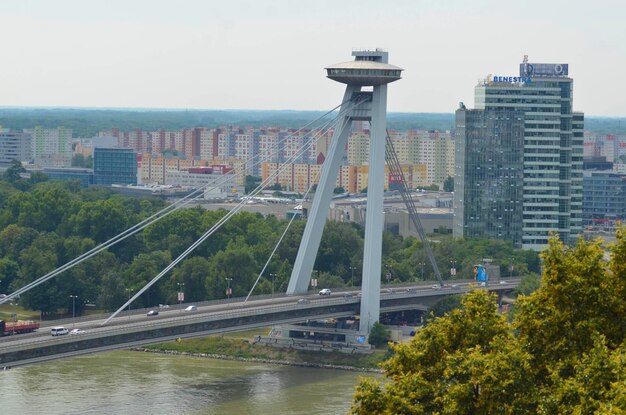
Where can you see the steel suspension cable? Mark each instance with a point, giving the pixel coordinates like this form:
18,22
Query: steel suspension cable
284,232
146,222
208,233
396,170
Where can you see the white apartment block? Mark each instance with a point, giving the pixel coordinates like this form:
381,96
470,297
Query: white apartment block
433,149
51,147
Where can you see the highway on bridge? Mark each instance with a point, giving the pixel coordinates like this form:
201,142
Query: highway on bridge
220,316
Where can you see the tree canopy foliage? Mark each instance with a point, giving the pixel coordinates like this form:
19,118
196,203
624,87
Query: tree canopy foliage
564,352
379,335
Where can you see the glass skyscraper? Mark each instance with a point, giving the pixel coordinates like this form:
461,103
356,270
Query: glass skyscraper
488,178
552,150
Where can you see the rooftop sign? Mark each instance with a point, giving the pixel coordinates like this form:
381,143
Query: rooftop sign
509,79
544,69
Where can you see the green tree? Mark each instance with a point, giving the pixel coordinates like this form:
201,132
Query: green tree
339,190
192,273
445,305
340,242
6,190
597,385
563,353
448,184
440,370
35,261
276,186
8,272
78,160
175,232
112,293
45,209
578,298
12,174
379,335
251,183
14,239
38,177
235,265
143,269
99,220
529,284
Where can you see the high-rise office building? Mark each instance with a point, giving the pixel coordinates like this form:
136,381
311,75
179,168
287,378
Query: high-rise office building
552,151
489,174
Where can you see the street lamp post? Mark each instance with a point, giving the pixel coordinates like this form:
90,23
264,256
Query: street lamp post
228,290
421,264
453,268
73,297
510,267
129,292
352,271
181,293
388,275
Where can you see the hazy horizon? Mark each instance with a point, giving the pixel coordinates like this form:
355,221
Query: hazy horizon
270,55
156,109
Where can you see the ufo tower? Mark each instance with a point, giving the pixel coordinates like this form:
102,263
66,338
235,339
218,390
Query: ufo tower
365,99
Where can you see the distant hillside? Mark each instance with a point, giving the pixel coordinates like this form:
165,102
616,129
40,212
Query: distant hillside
87,122
606,125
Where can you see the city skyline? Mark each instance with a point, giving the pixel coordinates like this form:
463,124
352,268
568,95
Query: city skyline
270,55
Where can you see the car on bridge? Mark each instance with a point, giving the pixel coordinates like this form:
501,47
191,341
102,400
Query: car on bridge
325,291
191,308
303,301
152,313
59,331
76,332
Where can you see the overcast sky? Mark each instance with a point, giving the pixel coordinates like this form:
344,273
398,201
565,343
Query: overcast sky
270,54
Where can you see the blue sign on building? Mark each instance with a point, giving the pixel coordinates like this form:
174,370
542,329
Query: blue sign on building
511,79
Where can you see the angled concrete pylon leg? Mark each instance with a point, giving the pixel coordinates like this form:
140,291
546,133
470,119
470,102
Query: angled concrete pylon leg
301,274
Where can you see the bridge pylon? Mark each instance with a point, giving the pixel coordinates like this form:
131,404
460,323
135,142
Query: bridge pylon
365,99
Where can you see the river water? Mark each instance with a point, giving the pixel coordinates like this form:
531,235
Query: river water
126,382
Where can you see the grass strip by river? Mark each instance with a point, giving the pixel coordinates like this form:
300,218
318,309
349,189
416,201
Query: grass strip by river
241,349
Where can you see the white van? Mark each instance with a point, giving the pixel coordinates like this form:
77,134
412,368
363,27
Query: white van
59,331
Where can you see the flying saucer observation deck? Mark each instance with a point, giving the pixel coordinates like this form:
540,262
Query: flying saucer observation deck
364,73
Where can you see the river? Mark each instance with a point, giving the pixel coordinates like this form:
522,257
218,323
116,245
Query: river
126,382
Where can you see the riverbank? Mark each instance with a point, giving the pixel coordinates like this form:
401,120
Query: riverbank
258,360
238,349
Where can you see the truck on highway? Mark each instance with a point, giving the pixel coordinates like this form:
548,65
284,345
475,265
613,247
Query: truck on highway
8,328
